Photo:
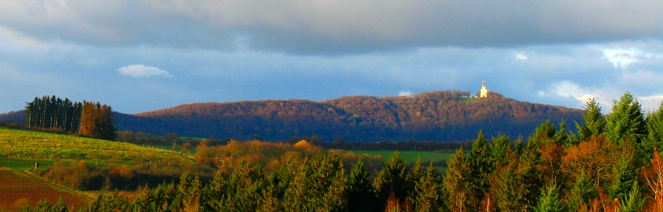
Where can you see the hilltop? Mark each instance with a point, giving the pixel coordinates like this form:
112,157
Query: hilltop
440,115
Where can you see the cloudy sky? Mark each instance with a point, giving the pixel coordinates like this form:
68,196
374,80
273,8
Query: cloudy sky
142,55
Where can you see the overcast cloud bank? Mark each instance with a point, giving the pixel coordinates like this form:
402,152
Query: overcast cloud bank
559,52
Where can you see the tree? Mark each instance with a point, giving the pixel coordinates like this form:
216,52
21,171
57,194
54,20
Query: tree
391,179
499,149
634,201
457,182
103,123
428,189
550,200
360,191
626,120
318,186
187,147
654,180
416,173
480,168
655,128
624,173
594,121
581,193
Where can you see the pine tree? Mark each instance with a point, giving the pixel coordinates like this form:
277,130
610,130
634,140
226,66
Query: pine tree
655,129
516,185
416,173
634,201
360,191
391,179
624,175
428,189
216,192
499,149
457,182
246,184
480,168
320,185
626,120
550,200
581,193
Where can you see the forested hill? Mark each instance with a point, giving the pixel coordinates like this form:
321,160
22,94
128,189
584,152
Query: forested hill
440,115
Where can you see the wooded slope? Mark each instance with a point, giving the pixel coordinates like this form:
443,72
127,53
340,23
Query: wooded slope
439,115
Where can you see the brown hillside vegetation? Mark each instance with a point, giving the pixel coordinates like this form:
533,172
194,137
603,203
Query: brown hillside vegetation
18,189
440,115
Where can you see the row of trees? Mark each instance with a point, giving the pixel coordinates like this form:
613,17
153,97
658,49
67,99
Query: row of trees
53,113
85,118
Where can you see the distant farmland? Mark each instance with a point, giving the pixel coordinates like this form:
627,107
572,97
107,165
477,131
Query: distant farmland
18,189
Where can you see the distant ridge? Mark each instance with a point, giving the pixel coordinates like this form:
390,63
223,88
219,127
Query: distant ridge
440,115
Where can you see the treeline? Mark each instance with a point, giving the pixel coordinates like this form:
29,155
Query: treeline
82,175
272,155
320,183
85,118
611,164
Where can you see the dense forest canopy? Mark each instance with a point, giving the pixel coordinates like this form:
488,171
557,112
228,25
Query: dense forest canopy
441,116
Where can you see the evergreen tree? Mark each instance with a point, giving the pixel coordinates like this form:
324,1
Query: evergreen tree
550,200
189,193
626,120
245,184
624,173
581,193
516,186
634,201
417,172
318,186
480,168
499,149
392,179
360,191
594,121
655,129
216,192
428,189
457,182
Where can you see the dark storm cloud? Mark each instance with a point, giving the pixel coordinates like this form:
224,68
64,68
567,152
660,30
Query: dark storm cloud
333,27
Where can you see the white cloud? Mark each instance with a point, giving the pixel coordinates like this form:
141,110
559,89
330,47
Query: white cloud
521,56
650,103
405,93
141,71
623,57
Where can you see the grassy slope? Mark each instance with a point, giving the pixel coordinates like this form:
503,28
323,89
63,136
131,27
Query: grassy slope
19,149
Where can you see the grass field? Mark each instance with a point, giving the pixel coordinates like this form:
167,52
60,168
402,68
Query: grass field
409,156
19,189
23,163
29,145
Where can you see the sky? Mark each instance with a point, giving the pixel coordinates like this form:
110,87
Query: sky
143,55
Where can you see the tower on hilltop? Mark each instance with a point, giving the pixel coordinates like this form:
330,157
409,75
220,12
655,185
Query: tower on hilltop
484,91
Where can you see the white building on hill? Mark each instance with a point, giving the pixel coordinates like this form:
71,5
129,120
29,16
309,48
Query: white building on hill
484,91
